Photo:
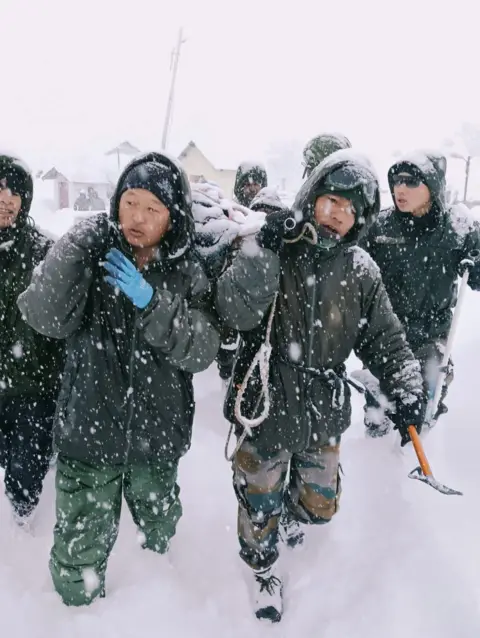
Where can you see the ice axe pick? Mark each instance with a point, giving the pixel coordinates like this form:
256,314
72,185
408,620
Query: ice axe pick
424,472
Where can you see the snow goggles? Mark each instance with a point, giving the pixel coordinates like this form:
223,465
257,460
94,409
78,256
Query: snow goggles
410,181
350,177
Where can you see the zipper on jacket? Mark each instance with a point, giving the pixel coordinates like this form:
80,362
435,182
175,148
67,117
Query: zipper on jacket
130,392
309,360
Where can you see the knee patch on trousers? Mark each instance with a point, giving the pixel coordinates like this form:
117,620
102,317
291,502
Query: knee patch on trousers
258,485
317,505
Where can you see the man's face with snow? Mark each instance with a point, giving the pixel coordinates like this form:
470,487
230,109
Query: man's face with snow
10,205
143,217
411,196
251,189
334,214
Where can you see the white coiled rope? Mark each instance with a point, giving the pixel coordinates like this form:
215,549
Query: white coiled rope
262,360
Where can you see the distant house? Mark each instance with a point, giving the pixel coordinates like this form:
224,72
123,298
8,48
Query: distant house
68,182
71,176
125,149
198,167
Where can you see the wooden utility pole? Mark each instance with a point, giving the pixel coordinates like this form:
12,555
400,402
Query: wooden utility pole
174,67
467,175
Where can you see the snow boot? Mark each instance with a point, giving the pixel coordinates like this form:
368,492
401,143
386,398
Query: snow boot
374,431
290,531
268,598
24,522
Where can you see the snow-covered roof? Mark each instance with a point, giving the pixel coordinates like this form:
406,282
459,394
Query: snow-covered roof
85,171
191,145
124,148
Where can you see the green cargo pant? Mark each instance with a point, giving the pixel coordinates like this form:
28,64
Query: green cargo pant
88,505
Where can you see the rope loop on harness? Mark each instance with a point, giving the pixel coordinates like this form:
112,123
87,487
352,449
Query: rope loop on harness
262,360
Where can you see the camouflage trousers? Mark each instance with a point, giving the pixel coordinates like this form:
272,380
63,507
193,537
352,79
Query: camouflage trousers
305,486
88,505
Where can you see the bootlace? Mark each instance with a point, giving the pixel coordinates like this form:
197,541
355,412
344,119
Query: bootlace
269,583
288,523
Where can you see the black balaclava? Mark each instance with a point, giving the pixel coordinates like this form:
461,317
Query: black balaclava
155,178
161,181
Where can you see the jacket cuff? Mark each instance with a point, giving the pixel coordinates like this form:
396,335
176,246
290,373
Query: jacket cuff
151,304
159,298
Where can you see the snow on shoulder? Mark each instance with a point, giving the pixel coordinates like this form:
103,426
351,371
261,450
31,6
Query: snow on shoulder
363,264
463,220
267,196
216,214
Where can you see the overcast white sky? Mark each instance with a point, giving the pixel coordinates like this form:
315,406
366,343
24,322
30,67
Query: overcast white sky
86,74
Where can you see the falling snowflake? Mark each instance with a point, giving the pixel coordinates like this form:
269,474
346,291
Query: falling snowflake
295,351
91,580
17,351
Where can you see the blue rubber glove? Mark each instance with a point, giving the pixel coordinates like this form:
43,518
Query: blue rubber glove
124,275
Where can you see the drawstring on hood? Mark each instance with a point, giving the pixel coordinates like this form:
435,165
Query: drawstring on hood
350,175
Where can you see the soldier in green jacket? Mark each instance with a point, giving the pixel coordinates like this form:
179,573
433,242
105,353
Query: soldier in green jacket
131,300
310,293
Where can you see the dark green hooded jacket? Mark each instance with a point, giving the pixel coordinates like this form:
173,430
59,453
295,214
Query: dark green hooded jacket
419,258
329,303
127,394
30,364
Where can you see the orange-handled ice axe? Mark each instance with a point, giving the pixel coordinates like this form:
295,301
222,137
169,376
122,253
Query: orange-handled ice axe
424,472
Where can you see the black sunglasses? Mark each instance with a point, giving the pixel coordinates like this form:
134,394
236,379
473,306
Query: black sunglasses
410,181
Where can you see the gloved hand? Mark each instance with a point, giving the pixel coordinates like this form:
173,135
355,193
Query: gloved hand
410,414
278,226
124,275
469,262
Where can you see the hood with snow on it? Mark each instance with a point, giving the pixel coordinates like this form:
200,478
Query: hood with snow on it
363,173
219,221
180,238
320,147
431,165
268,201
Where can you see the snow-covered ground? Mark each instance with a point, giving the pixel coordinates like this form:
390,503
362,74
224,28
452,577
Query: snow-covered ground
399,560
